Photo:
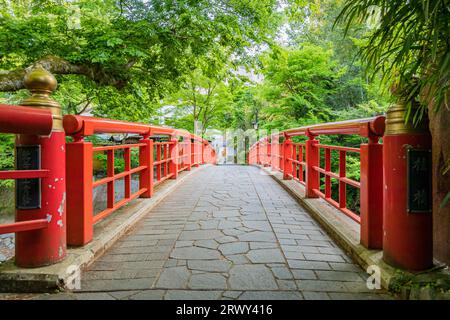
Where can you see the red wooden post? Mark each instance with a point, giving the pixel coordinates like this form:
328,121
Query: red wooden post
173,166
80,210
312,160
146,159
371,194
47,245
287,155
407,230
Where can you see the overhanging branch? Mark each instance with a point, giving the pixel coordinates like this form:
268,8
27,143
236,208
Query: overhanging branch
13,80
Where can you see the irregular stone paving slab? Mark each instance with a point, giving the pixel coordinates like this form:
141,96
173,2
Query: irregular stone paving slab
208,281
252,277
282,273
238,259
265,256
258,225
227,232
174,277
209,265
200,235
190,253
258,236
232,294
234,248
116,284
210,244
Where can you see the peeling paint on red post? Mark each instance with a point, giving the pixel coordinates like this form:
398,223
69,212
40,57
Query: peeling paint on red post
45,246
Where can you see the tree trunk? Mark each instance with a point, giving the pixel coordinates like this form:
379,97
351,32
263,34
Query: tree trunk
440,132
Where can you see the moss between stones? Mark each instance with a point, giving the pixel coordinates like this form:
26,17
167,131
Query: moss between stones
430,285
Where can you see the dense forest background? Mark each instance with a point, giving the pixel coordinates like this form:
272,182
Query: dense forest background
232,64
227,64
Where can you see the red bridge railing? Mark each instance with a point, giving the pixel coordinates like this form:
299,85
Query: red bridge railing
62,212
163,154
24,120
56,179
310,163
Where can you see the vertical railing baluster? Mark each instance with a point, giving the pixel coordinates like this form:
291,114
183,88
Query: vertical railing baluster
173,151
293,163
287,153
158,159
110,185
342,174
146,158
312,160
192,147
166,156
300,160
327,169
187,152
127,168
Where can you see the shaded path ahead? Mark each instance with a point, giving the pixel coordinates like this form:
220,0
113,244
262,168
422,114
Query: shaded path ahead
227,232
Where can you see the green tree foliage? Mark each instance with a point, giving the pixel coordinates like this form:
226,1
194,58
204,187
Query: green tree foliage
299,83
131,50
409,44
314,76
7,158
201,99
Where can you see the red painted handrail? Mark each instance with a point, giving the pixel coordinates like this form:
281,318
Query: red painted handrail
32,121
23,174
25,120
23,226
83,126
363,127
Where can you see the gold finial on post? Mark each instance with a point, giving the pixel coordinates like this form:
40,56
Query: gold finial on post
41,84
396,116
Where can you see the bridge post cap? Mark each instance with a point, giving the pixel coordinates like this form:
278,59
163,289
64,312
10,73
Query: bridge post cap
378,125
41,83
40,80
72,124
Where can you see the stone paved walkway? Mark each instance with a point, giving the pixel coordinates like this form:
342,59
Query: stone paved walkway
228,232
